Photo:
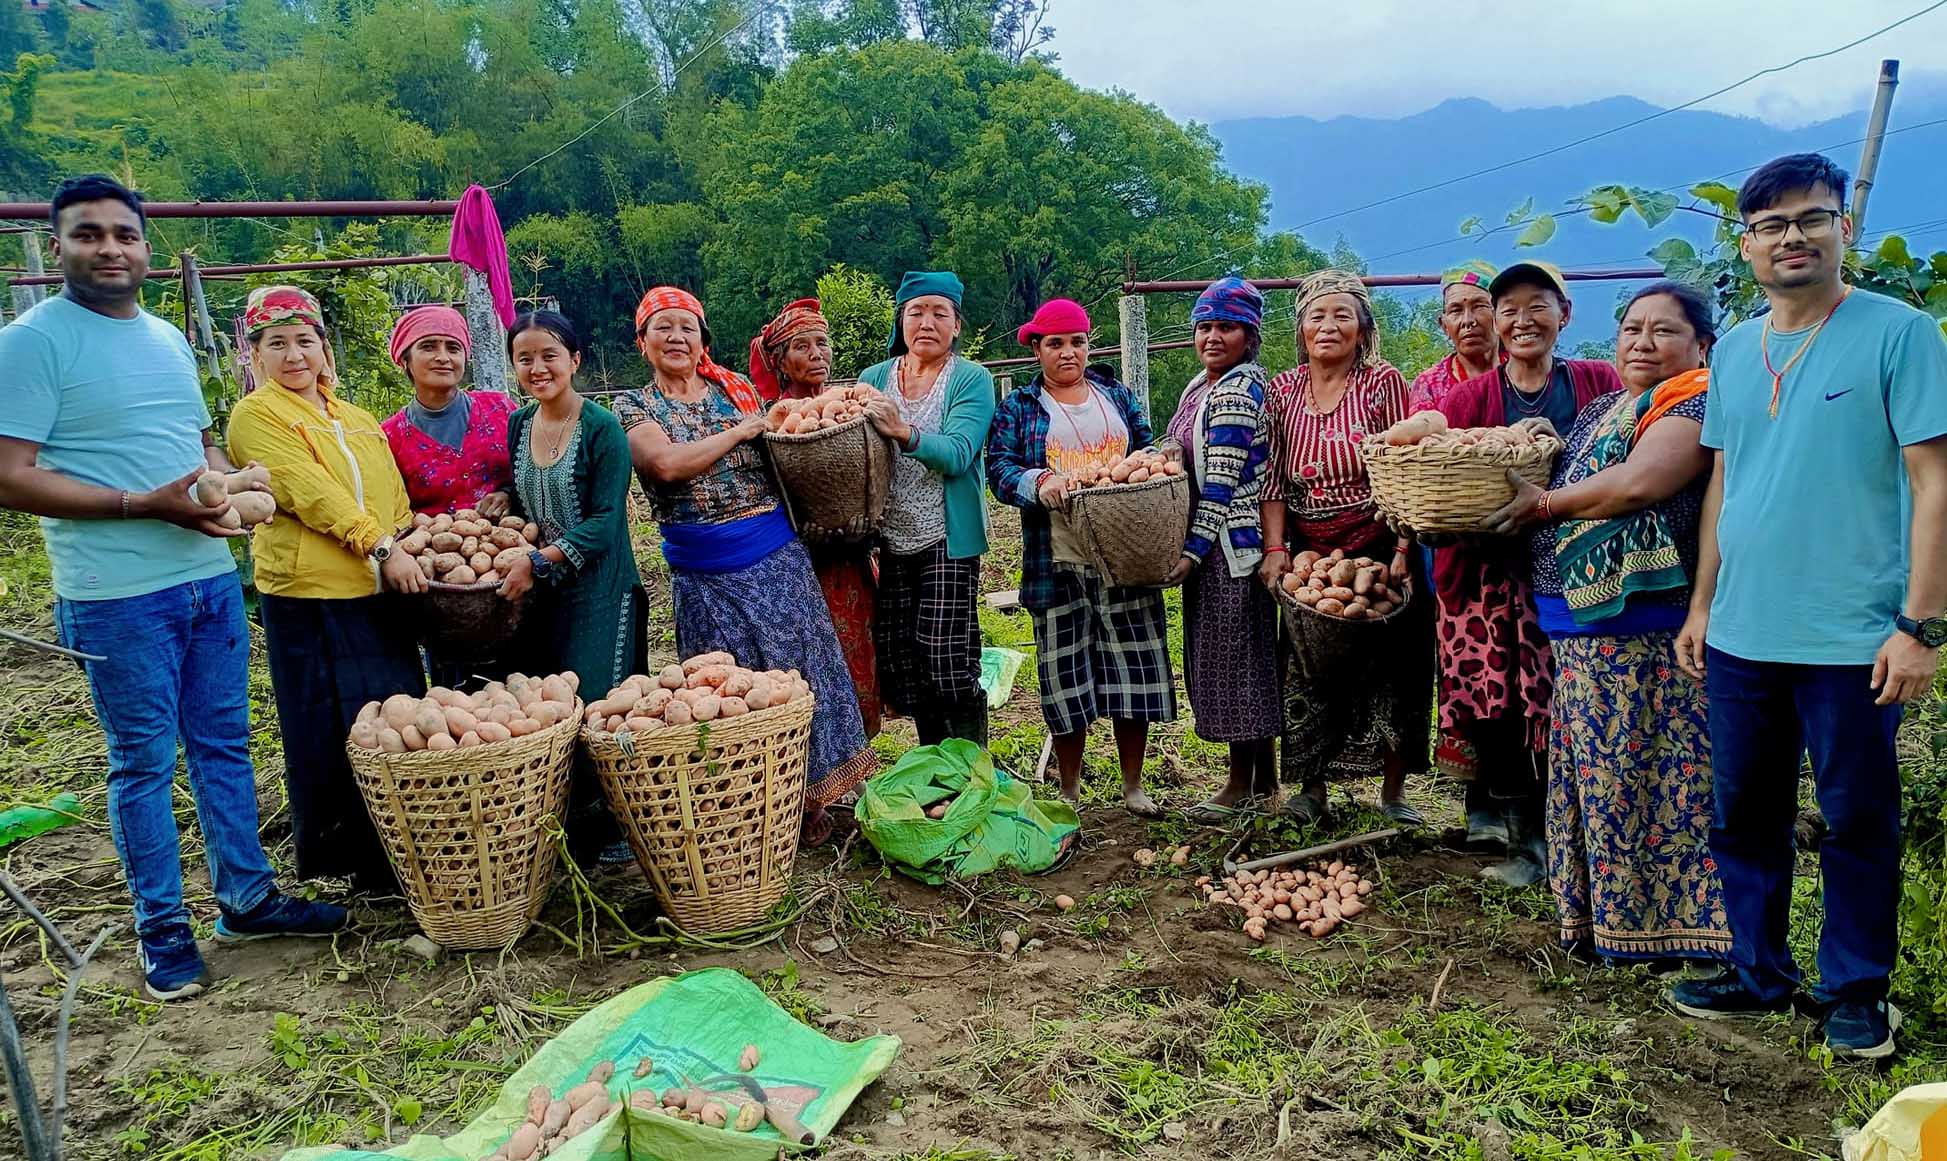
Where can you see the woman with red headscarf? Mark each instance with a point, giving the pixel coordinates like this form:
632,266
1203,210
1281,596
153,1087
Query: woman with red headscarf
741,580
791,358
450,443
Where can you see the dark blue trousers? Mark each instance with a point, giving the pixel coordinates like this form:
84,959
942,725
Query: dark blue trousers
1764,717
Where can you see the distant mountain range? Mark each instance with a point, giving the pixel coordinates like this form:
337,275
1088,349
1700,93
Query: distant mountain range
1317,168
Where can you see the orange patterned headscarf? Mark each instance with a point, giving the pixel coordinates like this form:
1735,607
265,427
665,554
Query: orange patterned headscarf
664,298
767,349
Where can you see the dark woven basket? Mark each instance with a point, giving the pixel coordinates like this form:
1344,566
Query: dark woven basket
466,622
1133,532
837,479
1328,646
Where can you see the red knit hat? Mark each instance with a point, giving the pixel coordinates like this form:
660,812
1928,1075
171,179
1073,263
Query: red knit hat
1057,316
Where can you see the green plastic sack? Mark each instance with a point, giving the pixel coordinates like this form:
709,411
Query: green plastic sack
998,669
693,1026
994,822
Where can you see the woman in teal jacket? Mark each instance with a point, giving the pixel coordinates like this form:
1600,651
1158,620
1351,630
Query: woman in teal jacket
936,407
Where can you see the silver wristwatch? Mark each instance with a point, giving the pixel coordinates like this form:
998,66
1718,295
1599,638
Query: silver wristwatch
382,550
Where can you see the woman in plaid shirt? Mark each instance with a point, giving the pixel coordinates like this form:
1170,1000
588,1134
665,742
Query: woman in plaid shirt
1100,651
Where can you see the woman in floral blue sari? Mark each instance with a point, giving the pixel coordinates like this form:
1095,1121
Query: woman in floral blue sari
1614,550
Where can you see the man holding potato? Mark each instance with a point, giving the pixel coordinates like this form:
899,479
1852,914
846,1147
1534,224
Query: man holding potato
1828,416
103,433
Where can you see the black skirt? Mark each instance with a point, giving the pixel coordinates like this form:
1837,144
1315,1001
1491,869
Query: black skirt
327,659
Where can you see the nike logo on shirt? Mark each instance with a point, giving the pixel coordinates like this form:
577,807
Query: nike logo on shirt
1831,395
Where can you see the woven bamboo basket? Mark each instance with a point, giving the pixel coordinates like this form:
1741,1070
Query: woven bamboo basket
712,810
1133,532
466,622
1333,647
465,829
838,478
1450,487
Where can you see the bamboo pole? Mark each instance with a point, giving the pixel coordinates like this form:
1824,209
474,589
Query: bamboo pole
1862,186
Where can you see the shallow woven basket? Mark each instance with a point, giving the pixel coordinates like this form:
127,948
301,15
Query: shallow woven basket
837,478
712,810
1133,532
465,829
1449,487
464,622
1333,647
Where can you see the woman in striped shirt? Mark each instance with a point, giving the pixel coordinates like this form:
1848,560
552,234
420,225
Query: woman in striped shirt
1375,720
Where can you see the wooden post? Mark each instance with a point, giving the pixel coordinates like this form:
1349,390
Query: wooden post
489,337
1862,186
1133,312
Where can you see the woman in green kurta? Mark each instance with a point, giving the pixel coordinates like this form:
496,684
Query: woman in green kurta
571,477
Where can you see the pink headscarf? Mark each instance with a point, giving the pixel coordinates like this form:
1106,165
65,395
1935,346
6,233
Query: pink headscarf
421,321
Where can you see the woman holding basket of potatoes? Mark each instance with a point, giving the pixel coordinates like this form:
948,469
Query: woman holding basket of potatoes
571,480
335,639
791,358
1367,712
1495,682
1230,624
937,408
742,581
1099,651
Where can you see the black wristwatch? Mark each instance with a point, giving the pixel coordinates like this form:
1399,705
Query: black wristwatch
543,567
1931,632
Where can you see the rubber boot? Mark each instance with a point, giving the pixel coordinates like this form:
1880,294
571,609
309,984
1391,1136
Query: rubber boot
933,728
1487,826
1527,862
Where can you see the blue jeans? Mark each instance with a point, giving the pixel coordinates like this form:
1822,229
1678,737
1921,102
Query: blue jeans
1764,717
177,669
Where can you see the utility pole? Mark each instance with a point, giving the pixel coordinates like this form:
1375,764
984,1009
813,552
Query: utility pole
1862,186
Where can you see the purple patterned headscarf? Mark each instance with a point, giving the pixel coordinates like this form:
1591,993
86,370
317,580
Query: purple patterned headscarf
1229,300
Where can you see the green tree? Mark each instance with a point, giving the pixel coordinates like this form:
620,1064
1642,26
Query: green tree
859,309
16,35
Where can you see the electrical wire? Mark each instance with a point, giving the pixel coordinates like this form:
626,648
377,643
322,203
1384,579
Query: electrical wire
1627,125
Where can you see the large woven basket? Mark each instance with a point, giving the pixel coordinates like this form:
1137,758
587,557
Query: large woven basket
838,478
1133,532
465,829
468,622
1334,648
1450,487
711,810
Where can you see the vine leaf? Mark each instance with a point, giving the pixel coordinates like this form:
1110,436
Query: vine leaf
1717,194
1538,232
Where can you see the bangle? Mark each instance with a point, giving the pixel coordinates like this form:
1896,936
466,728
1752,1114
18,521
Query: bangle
1542,511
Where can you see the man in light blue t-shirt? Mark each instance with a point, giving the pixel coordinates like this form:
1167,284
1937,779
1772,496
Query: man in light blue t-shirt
1821,584
102,431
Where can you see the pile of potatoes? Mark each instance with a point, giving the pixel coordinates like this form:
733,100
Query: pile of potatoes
466,548
1317,898
705,688
828,408
1351,589
554,1121
1430,428
1138,467
448,720
248,508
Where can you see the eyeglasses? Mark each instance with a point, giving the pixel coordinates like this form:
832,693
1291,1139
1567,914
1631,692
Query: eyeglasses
1811,224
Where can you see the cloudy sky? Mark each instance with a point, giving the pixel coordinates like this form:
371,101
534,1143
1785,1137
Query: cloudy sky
1388,58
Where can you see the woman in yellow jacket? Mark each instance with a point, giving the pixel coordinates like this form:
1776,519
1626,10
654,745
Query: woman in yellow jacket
335,637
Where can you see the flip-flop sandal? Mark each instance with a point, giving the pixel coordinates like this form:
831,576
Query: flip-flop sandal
1210,812
1303,809
1403,813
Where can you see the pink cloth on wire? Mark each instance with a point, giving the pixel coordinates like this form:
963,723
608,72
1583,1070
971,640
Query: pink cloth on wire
478,243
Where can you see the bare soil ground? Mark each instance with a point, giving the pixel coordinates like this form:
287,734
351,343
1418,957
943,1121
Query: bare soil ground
1442,1024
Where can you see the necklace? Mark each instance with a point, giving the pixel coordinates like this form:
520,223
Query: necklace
1764,345
1311,395
1528,410
553,448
